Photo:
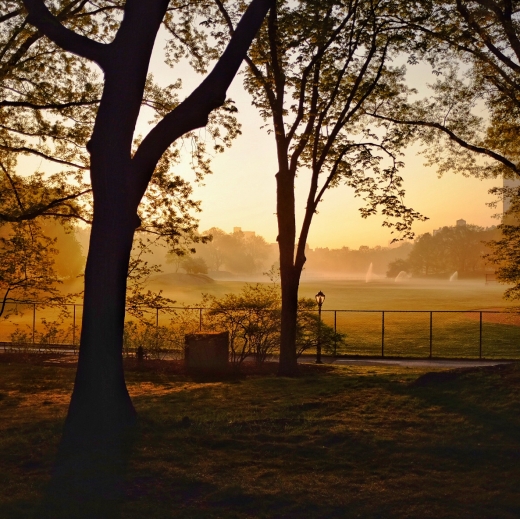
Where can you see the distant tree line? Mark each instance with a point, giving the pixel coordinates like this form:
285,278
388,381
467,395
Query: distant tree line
238,252
346,261
459,249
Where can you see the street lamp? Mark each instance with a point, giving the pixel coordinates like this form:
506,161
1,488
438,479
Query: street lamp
320,297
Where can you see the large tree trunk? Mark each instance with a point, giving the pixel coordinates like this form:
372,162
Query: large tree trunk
90,466
88,476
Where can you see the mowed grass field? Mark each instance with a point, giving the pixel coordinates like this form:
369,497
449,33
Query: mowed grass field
455,335
336,442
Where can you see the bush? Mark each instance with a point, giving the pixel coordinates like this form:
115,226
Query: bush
252,319
309,329
159,341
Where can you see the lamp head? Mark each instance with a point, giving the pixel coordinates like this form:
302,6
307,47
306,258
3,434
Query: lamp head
320,297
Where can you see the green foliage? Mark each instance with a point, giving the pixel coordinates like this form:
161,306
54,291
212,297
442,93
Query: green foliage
49,117
156,341
314,69
470,122
450,249
252,319
505,255
310,331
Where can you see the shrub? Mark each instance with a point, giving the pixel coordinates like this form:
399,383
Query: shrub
308,329
252,319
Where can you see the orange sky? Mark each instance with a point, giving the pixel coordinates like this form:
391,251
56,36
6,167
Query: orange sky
242,190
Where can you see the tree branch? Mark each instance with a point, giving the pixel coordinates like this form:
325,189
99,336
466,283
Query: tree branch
13,186
464,12
193,112
254,69
10,15
23,149
43,210
48,24
478,149
50,106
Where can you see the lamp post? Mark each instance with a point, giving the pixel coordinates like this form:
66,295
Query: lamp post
320,297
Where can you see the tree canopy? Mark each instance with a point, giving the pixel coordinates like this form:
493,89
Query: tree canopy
461,249
470,122
49,101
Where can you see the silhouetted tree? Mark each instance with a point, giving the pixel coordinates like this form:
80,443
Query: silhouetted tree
311,71
397,266
473,47
237,252
27,269
194,265
101,412
450,249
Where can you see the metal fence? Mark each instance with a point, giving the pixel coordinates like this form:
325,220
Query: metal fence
427,333
384,333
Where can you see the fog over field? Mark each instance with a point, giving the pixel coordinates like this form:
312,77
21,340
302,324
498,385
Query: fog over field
405,275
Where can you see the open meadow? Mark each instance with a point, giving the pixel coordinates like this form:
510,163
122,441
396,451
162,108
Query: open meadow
335,442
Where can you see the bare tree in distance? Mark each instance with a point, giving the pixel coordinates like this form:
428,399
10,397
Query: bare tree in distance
101,412
311,71
27,270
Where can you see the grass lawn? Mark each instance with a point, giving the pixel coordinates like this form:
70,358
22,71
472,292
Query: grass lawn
339,442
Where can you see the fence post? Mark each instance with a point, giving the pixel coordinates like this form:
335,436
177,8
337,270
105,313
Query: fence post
34,324
200,319
480,339
431,333
383,333
335,328
74,327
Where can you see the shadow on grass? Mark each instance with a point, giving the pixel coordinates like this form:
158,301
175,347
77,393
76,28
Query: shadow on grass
474,394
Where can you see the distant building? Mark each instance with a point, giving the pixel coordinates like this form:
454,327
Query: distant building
247,234
512,183
458,223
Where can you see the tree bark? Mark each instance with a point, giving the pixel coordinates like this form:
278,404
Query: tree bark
92,457
289,274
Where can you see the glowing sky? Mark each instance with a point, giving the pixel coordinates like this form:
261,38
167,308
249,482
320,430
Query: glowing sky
242,190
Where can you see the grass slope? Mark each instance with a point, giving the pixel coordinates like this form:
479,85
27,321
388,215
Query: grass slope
336,442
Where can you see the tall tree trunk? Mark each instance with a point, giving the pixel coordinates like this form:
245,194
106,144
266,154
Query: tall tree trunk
290,276
90,466
289,283
88,474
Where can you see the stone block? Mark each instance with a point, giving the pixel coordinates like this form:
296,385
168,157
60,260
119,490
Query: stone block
208,352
